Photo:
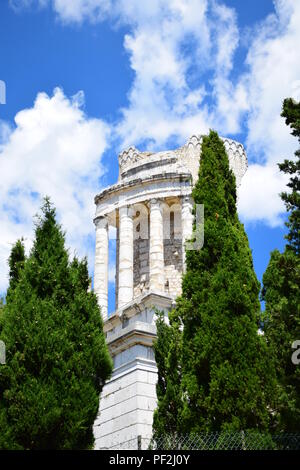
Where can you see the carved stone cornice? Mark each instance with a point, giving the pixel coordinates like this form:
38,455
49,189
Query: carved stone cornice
130,156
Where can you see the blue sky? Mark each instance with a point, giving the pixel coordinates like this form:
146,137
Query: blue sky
86,79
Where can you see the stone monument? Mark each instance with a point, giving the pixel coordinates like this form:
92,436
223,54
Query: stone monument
151,209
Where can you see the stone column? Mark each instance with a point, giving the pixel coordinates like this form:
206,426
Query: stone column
125,294
101,265
187,219
156,255
117,264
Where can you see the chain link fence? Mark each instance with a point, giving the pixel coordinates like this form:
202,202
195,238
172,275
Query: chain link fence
242,440
227,441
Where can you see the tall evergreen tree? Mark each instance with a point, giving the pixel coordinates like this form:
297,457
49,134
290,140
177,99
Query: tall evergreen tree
281,290
56,356
227,380
291,113
16,263
167,350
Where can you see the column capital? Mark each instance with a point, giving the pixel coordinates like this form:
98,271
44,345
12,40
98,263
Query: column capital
126,210
155,202
101,222
186,199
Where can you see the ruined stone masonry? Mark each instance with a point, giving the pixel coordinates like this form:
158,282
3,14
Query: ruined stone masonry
151,209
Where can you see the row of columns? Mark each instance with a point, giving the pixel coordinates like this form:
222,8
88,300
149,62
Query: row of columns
126,239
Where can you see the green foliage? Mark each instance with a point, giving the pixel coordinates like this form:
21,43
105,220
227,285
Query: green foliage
16,263
291,112
167,349
227,377
56,356
281,291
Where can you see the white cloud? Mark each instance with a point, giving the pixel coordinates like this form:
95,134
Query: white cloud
258,194
181,41
169,43
79,10
17,5
54,150
274,67
182,53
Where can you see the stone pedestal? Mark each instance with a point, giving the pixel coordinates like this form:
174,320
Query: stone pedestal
128,399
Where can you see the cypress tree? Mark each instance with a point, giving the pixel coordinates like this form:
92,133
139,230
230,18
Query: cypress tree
281,290
56,356
291,113
227,377
167,350
16,263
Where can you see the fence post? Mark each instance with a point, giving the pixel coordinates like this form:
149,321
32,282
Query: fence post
139,442
243,440
2,352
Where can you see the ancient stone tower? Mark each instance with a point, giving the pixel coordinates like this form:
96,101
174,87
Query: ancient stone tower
150,207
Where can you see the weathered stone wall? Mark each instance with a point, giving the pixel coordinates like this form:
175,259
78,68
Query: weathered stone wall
173,258
173,266
140,266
